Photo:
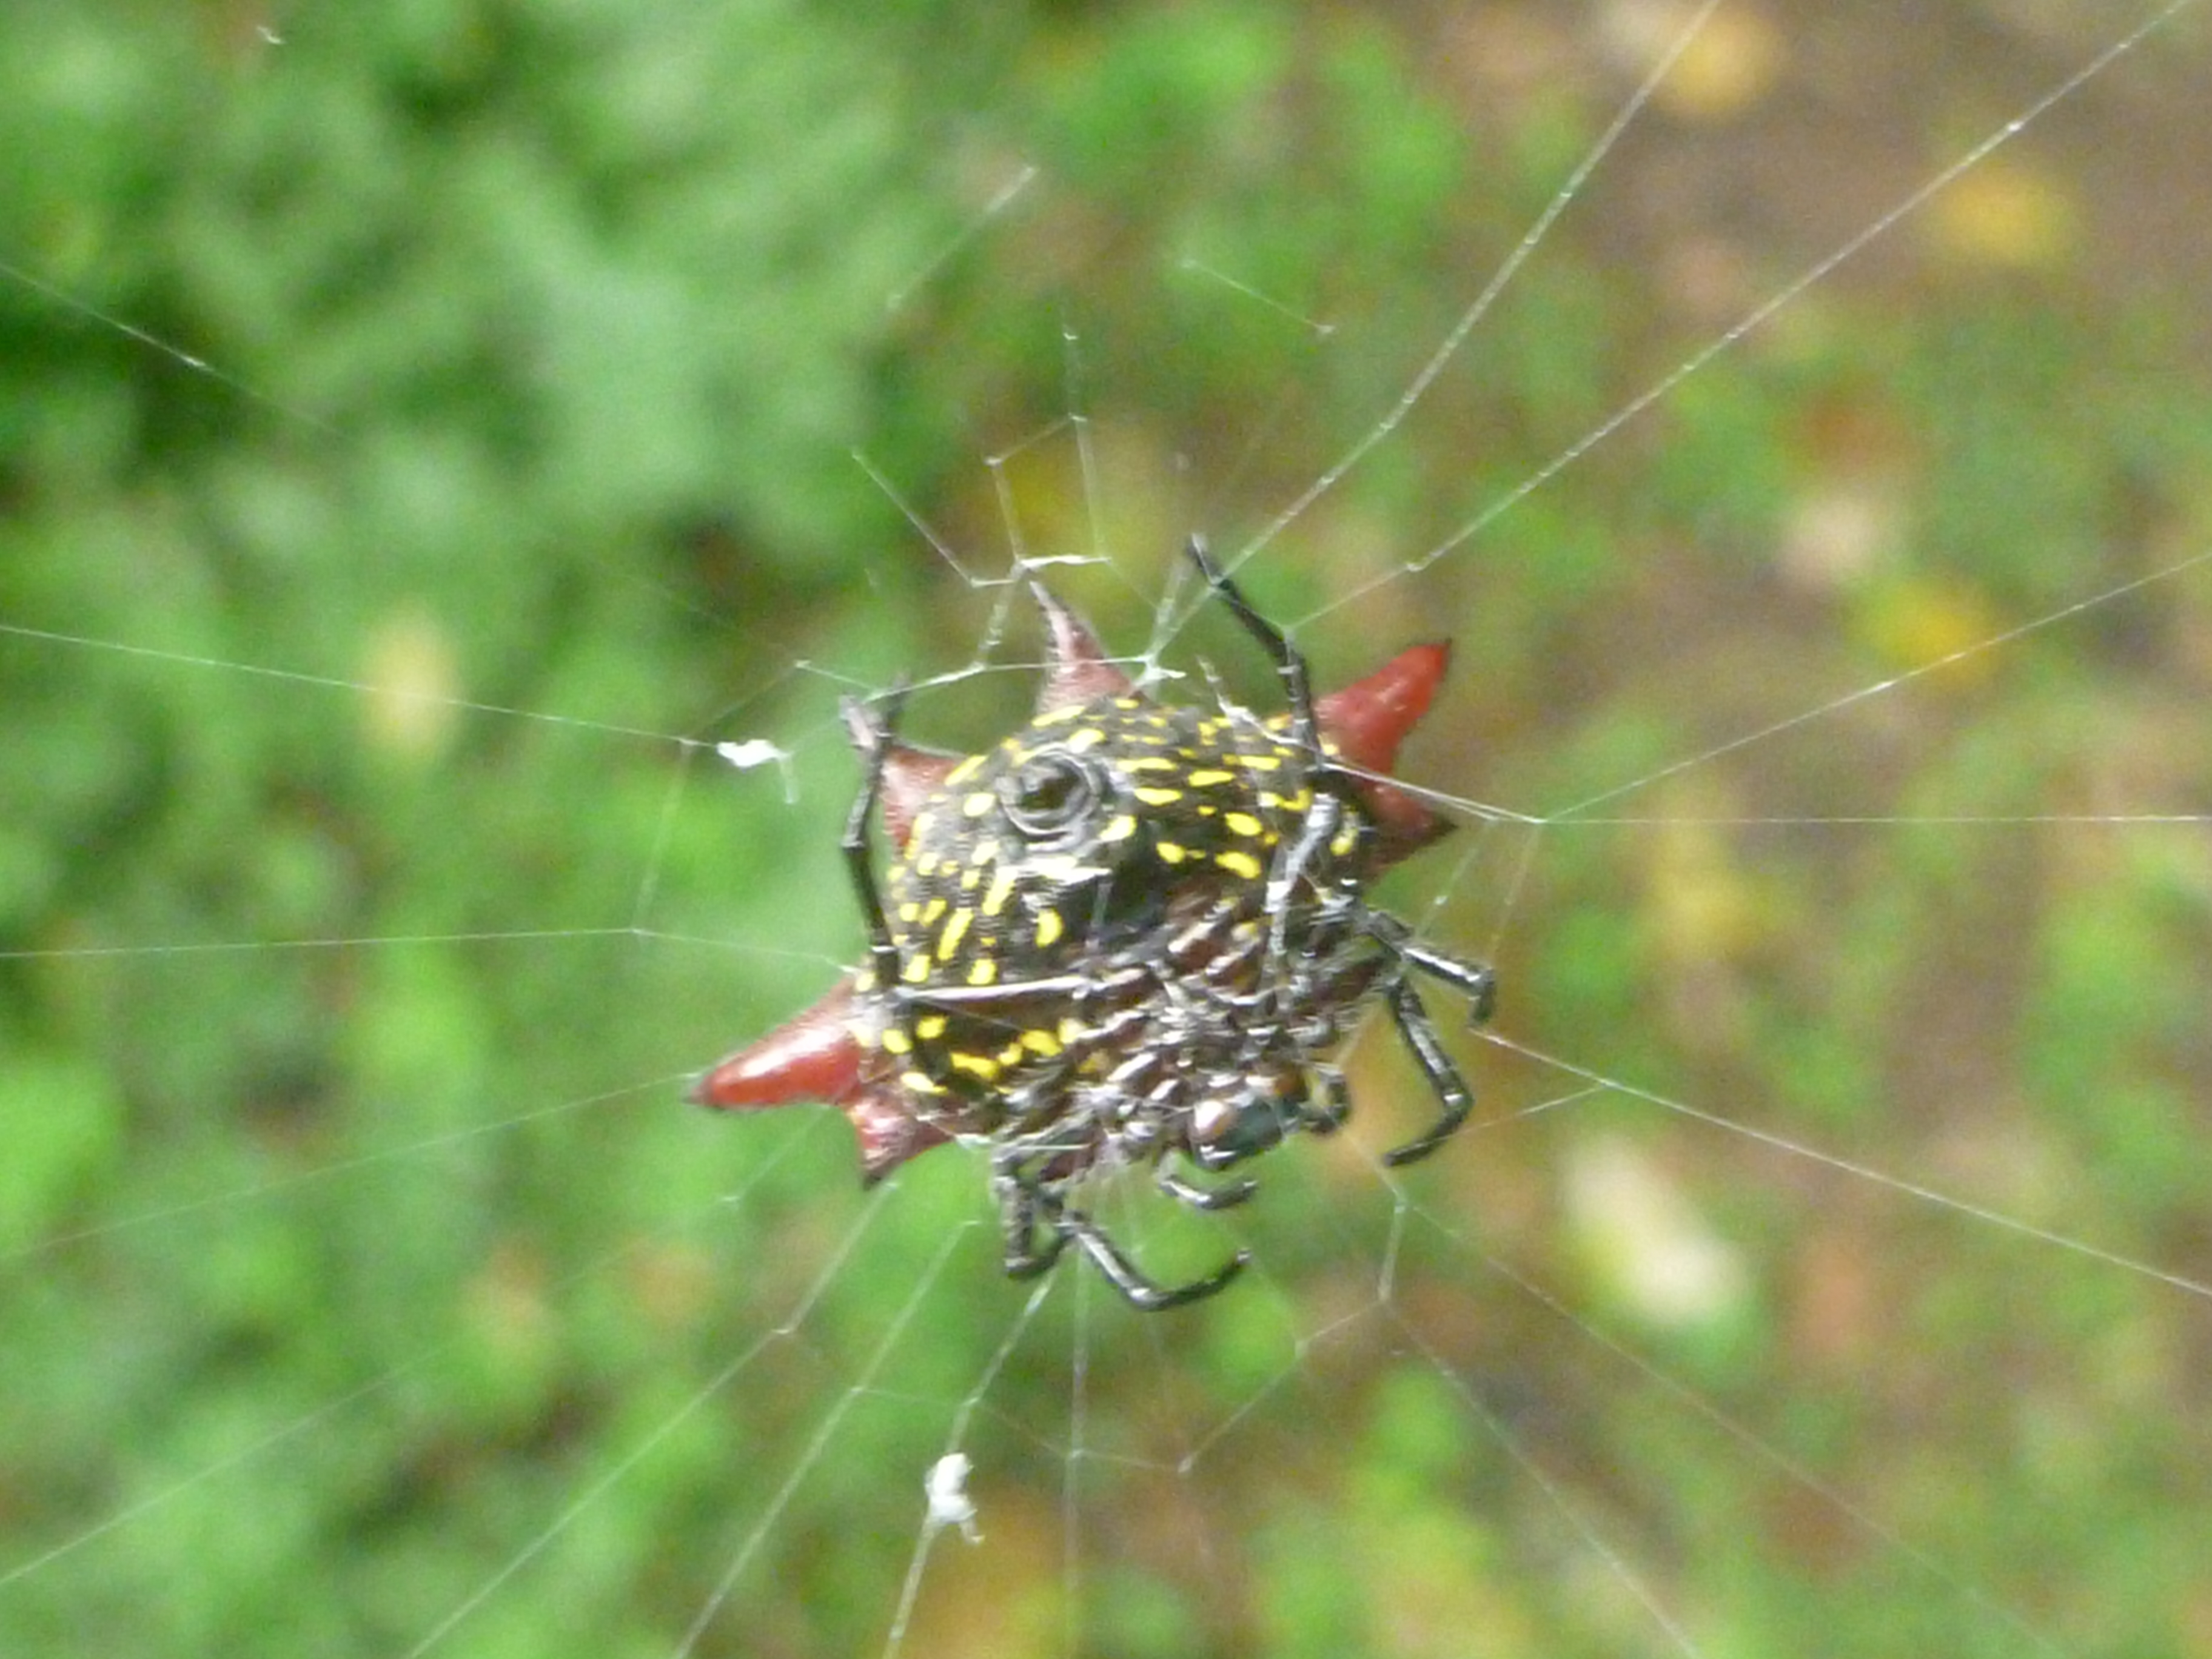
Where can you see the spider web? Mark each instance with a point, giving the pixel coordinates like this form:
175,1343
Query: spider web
1825,1269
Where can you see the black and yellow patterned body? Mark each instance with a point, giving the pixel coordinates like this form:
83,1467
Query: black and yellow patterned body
1095,891
1130,934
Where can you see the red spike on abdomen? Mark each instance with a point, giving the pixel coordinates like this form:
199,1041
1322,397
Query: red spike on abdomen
890,1132
1076,668
811,1056
1370,718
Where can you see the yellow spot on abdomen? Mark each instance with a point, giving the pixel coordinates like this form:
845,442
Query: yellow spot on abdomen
1241,863
1048,927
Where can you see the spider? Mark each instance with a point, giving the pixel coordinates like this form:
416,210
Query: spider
1131,934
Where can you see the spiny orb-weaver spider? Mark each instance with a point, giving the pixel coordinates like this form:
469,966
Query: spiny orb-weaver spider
1132,930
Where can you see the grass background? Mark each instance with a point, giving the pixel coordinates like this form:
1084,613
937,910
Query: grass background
537,341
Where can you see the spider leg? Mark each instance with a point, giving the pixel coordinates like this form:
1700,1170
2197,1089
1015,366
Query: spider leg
1126,1277
1435,1065
1471,978
874,735
1325,1115
1023,1260
1316,829
1477,982
1025,1207
1203,1198
1019,1200
1290,663
1325,816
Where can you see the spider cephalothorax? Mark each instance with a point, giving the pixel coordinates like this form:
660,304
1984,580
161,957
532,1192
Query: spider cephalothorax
1130,933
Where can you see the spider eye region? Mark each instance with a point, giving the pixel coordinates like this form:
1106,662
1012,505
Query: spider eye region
1092,821
1005,864
1053,799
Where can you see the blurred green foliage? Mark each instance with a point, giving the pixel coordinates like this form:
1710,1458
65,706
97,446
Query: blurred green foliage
367,886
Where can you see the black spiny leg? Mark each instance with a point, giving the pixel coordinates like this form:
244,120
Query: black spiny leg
1204,1198
1326,815
1480,986
1316,830
1025,1259
1436,1066
1019,1200
872,736
1290,663
1476,982
1325,1114
1125,1276
1025,1209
